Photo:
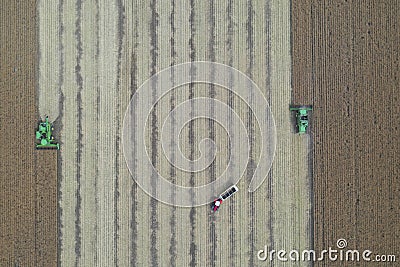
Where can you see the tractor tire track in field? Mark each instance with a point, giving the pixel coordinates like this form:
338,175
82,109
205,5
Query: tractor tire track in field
79,81
154,225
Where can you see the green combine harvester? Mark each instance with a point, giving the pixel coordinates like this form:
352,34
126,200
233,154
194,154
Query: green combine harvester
44,135
301,117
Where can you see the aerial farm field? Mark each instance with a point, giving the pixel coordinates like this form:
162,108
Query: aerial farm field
93,57
81,62
346,63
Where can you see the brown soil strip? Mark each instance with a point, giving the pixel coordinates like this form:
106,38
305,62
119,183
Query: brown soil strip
346,63
28,184
46,208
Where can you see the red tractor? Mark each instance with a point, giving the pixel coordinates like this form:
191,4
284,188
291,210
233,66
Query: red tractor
227,194
216,204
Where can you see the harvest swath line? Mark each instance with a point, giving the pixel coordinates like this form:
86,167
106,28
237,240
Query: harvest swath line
231,104
154,132
267,94
62,65
211,48
250,124
120,37
60,119
172,172
192,213
133,191
141,57
79,82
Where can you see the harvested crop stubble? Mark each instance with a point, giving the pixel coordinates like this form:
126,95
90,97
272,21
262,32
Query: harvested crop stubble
108,50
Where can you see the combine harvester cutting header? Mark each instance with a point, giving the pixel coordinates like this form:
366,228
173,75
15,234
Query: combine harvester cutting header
44,135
